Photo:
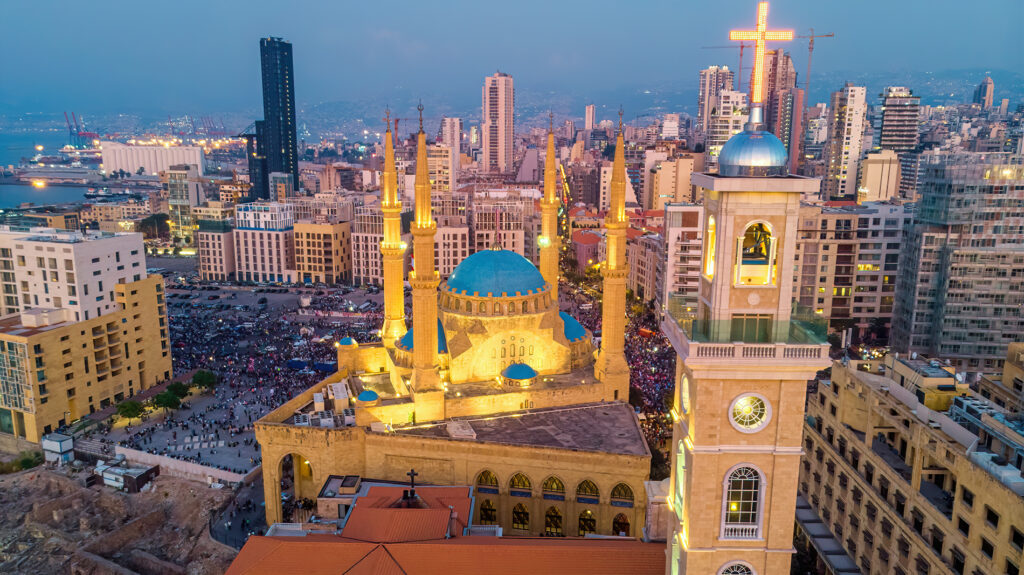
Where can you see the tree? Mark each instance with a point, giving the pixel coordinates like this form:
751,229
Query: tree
167,400
140,171
179,389
155,226
204,379
129,410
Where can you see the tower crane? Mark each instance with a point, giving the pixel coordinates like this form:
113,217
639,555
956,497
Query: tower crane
810,52
739,73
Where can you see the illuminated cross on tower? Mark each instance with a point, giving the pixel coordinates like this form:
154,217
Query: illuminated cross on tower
759,37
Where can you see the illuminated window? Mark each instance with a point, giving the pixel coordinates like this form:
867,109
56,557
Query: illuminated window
622,492
487,479
749,413
586,488
553,522
742,504
756,256
554,485
588,523
709,248
519,481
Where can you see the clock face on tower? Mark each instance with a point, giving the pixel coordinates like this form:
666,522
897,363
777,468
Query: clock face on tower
749,413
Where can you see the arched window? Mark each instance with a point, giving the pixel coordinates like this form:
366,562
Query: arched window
525,309
622,492
553,522
588,523
736,569
457,304
620,525
554,485
488,513
487,479
520,481
535,306
497,307
522,350
756,255
483,307
742,504
709,248
586,488
520,517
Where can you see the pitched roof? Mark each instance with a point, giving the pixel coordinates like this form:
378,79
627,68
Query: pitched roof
334,555
388,525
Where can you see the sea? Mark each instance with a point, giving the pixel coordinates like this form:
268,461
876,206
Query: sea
13,147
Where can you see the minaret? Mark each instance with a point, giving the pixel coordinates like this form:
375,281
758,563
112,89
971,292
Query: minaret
392,249
549,241
428,393
611,366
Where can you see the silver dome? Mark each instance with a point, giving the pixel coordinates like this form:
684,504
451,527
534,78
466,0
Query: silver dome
753,153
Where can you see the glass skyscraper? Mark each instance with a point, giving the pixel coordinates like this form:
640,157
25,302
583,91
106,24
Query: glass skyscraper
275,137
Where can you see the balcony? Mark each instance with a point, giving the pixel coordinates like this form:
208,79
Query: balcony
801,338
751,531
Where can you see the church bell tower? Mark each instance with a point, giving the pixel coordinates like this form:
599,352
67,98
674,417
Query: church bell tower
746,354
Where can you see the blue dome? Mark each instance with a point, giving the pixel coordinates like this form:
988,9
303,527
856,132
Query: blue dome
347,341
753,153
367,395
442,342
519,371
573,330
491,273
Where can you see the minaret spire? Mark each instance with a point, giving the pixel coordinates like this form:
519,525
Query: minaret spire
428,393
611,367
392,248
549,241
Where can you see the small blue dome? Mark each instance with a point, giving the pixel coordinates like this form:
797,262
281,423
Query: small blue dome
519,371
442,342
573,330
753,153
367,395
347,341
490,273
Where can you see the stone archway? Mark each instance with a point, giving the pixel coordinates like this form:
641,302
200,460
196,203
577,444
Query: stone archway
298,491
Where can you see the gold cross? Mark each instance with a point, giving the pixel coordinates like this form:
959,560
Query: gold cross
759,37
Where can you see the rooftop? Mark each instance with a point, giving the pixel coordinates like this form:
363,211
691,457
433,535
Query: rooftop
602,427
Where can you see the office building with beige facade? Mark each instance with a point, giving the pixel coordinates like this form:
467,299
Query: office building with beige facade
215,241
264,243
323,252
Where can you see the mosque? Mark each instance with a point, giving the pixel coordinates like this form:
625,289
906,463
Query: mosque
488,385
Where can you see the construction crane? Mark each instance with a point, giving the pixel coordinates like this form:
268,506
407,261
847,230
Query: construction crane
739,73
810,52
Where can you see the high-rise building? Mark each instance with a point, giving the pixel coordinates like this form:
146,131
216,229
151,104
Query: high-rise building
450,133
713,80
683,235
879,177
779,79
845,138
787,108
670,127
727,117
184,192
498,123
277,139
671,180
442,165
960,290
900,113
590,117
984,93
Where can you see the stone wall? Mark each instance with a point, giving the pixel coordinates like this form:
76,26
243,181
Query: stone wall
186,469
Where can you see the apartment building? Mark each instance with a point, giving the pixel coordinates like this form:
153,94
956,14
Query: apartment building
323,252
684,231
55,369
646,254
367,234
727,116
960,290
452,241
443,167
323,207
115,211
847,264
906,488
264,242
498,222
1006,389
215,242
77,271
848,110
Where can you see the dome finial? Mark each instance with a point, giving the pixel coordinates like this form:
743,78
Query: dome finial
420,108
387,118
620,117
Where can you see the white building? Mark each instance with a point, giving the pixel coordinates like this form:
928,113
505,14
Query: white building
589,117
263,242
68,269
498,123
152,159
670,127
713,80
683,234
442,165
879,177
726,116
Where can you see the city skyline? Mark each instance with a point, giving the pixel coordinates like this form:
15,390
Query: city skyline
373,57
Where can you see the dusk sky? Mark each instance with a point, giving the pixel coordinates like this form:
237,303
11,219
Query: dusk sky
152,56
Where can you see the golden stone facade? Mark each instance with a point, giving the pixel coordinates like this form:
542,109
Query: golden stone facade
491,386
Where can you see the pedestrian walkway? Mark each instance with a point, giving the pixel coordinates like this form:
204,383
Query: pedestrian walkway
142,396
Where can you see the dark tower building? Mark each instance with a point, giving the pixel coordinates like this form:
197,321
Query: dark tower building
255,151
277,140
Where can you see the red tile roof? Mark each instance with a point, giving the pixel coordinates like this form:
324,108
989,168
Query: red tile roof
334,555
